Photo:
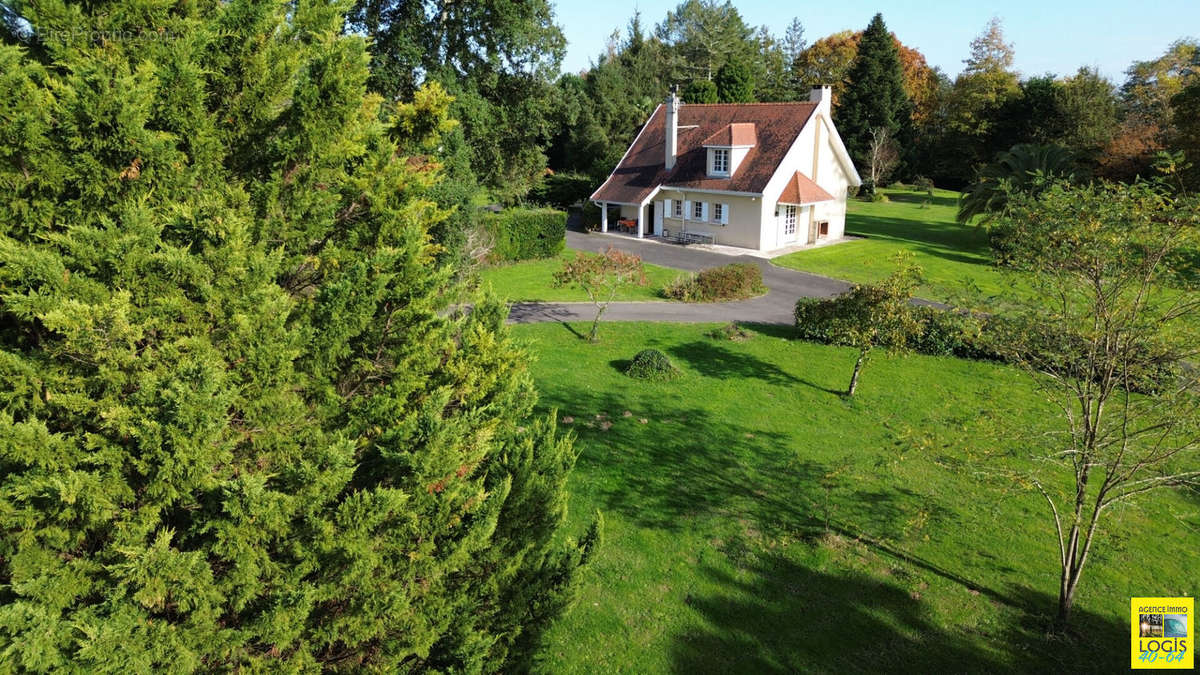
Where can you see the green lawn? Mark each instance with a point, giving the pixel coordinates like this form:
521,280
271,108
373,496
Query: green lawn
948,253
533,280
756,521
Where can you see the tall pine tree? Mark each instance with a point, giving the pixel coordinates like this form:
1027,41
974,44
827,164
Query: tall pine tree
240,426
875,96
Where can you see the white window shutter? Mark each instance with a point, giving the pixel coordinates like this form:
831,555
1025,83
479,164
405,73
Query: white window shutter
687,209
704,211
667,212
724,214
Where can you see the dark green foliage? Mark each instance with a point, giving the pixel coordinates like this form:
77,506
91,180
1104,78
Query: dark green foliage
716,284
651,364
1078,112
589,216
240,427
1185,119
875,97
563,190
700,91
735,83
498,58
525,234
1025,168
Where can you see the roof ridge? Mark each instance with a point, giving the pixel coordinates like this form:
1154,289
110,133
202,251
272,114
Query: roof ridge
753,103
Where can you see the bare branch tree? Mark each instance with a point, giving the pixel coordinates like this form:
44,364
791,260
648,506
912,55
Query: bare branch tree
1107,338
884,154
601,277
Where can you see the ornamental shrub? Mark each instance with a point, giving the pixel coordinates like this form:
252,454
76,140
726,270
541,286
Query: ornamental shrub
240,428
730,331
737,281
526,234
652,364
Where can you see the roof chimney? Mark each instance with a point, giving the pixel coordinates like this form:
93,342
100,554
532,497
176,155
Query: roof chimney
821,94
672,131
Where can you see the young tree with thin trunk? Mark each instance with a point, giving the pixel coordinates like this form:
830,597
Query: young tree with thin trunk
878,315
601,277
1107,336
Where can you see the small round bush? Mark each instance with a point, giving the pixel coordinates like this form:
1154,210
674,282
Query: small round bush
651,364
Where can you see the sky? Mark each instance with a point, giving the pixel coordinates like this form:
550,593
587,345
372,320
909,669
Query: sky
1048,36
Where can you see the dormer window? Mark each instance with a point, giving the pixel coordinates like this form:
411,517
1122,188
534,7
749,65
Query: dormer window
720,161
728,147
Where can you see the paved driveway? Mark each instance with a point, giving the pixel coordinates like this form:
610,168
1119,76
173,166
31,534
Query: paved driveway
784,286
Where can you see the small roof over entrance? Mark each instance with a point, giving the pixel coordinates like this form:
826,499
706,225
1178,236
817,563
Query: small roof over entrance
802,190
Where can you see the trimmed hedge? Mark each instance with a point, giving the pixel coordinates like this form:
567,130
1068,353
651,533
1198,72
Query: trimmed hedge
651,364
727,282
525,234
563,190
968,336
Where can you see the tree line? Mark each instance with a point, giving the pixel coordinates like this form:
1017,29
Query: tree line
520,117
942,128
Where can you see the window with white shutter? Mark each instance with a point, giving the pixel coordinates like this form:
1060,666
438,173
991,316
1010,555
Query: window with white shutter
676,208
698,210
718,212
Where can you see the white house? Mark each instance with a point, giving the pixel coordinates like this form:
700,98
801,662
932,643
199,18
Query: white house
755,175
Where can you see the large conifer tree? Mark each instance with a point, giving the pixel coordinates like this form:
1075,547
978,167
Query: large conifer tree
239,425
875,95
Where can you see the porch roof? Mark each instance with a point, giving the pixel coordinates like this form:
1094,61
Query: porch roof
801,189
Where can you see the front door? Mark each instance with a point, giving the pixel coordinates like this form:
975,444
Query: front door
789,223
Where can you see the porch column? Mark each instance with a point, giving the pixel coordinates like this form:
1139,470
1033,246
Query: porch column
641,217
604,216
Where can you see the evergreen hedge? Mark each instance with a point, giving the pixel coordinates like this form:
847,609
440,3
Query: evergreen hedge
526,234
240,427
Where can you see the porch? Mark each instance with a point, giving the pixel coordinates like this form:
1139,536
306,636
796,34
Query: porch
642,222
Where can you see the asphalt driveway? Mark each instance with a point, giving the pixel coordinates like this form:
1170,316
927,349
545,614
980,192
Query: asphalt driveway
784,286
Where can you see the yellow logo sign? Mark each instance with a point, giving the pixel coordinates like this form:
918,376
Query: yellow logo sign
1163,632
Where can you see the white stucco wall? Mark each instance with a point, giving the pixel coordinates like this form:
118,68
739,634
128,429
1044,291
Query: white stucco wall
743,221
831,175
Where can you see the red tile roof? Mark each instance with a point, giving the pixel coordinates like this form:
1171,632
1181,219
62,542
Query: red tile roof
643,168
738,133
802,190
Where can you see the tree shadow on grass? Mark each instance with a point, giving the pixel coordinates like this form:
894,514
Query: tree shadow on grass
712,359
779,616
921,198
674,467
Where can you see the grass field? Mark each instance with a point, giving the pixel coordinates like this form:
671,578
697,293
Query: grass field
533,280
756,521
949,254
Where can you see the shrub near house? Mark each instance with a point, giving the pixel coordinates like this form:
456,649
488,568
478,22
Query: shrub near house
524,234
727,282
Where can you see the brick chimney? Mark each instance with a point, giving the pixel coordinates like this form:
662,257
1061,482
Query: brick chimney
672,131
